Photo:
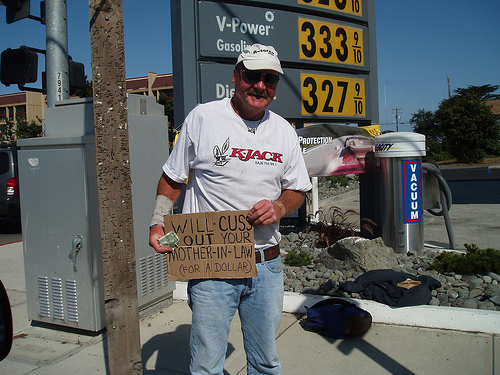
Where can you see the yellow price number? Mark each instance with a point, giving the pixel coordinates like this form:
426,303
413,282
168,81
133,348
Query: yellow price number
330,42
327,95
349,6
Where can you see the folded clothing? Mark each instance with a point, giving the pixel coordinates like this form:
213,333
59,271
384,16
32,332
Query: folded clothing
381,286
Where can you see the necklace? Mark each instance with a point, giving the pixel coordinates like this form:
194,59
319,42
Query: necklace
252,129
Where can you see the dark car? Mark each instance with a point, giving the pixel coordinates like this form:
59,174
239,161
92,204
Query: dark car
9,186
6,325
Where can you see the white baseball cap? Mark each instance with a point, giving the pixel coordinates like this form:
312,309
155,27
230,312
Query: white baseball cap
260,57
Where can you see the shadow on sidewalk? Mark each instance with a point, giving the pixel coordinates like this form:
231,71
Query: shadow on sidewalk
169,352
375,354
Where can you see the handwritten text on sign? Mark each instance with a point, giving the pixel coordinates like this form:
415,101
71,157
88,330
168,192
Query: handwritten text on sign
211,245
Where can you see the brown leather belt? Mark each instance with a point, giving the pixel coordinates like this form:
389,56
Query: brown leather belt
269,253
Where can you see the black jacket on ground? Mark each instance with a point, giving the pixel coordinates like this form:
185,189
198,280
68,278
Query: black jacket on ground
381,286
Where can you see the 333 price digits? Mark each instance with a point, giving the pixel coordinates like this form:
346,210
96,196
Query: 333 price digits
327,95
330,42
350,6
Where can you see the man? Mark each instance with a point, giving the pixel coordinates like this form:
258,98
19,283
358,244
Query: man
237,155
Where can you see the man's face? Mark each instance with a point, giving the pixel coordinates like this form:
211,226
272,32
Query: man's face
252,97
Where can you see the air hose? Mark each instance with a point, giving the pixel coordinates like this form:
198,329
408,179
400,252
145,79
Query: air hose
446,200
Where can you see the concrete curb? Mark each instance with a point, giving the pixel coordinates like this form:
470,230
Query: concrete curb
449,318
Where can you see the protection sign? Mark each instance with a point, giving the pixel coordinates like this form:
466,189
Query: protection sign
332,149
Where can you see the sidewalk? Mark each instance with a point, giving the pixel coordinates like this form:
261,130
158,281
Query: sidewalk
410,340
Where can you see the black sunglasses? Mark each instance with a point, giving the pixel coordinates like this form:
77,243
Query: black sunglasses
255,76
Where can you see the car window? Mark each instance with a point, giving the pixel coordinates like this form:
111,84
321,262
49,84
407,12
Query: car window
4,162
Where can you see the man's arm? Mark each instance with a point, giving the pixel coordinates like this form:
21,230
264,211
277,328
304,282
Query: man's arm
167,194
266,212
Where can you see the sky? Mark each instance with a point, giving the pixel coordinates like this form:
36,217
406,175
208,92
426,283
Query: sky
420,46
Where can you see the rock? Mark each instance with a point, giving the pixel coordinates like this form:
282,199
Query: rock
459,284
310,276
443,299
293,237
492,290
463,294
362,255
486,305
471,303
452,293
476,281
487,279
475,293
494,276
434,301
495,300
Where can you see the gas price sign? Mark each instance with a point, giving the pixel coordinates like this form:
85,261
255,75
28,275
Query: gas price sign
301,93
329,95
324,41
348,6
226,30
324,47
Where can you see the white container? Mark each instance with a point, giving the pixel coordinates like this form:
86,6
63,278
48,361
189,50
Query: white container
400,144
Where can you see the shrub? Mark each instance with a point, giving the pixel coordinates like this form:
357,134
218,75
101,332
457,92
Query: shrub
337,180
474,261
336,225
297,259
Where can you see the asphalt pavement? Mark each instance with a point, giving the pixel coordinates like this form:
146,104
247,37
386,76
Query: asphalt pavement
408,340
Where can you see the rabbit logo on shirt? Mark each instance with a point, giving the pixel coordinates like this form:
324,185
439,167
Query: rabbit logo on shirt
219,154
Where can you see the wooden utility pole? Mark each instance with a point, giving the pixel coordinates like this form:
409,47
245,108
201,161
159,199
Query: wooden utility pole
114,187
449,87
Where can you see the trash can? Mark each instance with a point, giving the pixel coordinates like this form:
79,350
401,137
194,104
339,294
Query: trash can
400,156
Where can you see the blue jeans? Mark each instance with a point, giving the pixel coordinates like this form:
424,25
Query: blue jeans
214,302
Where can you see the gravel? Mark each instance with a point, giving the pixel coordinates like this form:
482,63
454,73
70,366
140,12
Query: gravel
466,291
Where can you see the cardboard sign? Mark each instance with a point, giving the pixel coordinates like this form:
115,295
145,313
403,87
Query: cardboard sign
211,245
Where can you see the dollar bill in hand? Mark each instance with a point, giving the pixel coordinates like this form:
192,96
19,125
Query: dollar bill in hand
169,240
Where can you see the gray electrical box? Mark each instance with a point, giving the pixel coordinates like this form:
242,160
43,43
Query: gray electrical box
60,213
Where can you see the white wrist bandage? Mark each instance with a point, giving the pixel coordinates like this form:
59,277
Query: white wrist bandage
163,207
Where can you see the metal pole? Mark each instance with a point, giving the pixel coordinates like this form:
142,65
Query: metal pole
315,199
56,59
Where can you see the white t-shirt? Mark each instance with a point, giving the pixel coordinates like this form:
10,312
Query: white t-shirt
230,168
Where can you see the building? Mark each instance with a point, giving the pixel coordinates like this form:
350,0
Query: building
495,106
31,105
26,105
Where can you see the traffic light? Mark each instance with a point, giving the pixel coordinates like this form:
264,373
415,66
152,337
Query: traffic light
18,66
16,9
76,76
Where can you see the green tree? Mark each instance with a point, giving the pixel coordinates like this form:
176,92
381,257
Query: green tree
423,122
469,128
9,132
86,92
168,104
484,92
32,129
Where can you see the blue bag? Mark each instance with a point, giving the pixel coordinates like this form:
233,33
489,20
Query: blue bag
337,318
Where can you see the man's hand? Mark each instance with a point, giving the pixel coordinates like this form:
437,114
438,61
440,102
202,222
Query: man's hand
264,212
155,233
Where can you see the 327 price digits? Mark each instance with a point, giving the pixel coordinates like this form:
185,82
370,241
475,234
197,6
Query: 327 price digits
349,6
327,95
330,42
